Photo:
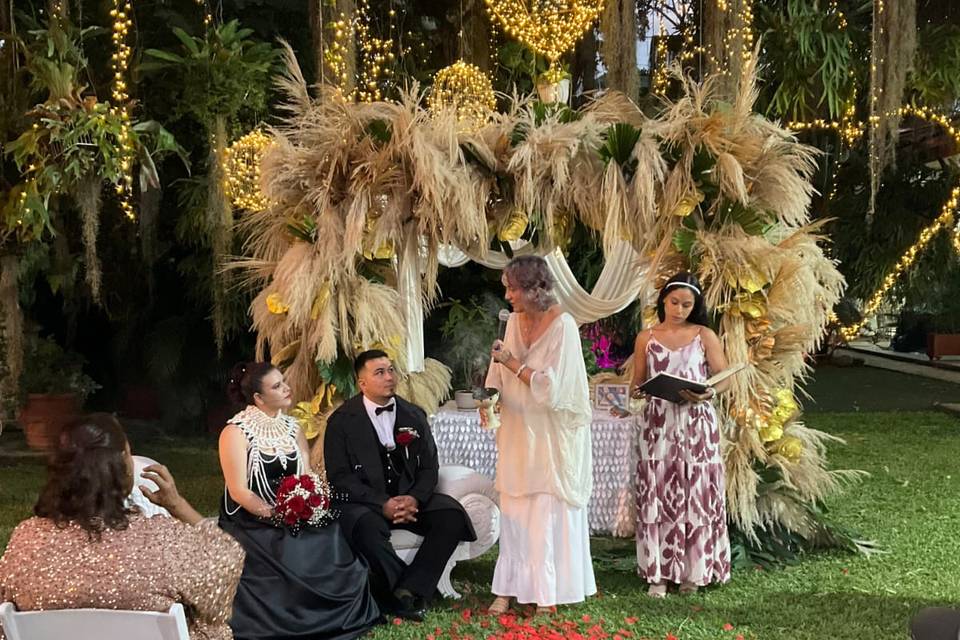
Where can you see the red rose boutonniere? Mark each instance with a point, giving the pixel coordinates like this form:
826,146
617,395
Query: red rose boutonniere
405,437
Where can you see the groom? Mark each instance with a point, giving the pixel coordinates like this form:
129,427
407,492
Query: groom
379,451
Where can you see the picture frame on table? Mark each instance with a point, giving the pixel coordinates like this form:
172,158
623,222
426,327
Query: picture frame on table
610,396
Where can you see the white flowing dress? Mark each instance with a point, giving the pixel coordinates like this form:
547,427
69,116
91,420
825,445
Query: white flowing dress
544,469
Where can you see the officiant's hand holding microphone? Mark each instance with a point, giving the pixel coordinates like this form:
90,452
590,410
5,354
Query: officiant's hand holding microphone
490,404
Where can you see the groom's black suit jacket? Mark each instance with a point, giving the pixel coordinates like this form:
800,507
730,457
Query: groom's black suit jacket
354,466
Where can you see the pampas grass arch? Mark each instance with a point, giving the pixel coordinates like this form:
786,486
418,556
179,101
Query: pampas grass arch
708,185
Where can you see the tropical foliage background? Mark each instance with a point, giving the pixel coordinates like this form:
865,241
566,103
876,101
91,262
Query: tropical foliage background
116,219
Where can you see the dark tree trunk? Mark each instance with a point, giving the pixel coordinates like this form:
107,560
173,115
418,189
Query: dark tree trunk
583,69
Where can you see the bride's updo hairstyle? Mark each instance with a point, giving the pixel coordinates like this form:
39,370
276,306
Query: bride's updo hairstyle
246,379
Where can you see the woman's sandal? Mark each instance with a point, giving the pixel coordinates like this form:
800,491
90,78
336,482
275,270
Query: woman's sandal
500,605
657,590
545,611
688,588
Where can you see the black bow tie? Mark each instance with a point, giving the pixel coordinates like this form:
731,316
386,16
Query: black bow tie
380,410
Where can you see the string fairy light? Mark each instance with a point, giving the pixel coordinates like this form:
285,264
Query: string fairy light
121,14
242,171
658,84
376,55
207,16
334,53
548,27
853,130
943,221
466,88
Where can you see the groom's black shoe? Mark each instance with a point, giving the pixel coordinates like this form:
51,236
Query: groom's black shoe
408,606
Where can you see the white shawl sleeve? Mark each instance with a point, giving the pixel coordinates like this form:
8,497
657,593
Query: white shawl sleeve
560,382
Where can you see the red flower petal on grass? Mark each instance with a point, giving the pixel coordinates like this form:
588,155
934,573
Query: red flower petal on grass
670,636
484,624
727,626
631,619
585,618
466,614
398,621
739,637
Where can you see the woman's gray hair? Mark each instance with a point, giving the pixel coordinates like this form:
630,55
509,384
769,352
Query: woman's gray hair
531,275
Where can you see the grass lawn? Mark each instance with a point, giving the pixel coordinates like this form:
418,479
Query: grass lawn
908,505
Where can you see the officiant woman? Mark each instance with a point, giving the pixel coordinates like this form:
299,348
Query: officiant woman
544,466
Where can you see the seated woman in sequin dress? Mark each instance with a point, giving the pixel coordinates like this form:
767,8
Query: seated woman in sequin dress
306,586
86,549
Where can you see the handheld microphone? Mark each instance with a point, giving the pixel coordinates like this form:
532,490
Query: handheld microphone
504,315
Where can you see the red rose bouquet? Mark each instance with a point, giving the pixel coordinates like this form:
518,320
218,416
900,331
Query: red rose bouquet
303,501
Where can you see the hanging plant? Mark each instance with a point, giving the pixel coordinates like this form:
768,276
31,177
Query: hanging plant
220,81
72,147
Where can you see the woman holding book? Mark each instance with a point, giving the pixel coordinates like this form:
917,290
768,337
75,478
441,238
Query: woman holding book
681,515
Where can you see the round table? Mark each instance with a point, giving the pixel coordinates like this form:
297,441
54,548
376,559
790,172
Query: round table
612,508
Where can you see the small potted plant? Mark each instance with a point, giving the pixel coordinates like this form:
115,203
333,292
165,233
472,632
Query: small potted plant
469,332
54,387
554,85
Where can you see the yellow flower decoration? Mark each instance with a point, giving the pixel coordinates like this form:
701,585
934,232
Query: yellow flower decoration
391,349
786,400
320,301
771,431
275,304
562,229
514,226
791,448
307,414
286,354
384,252
302,412
688,203
746,278
751,305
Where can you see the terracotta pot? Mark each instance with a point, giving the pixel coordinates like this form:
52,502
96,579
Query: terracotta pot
943,344
45,415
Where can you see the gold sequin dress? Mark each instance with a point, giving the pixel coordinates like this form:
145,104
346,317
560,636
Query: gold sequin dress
148,566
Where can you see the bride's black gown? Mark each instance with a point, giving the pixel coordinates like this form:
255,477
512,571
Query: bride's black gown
305,587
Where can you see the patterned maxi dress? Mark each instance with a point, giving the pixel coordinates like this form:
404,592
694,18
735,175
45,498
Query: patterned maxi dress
681,515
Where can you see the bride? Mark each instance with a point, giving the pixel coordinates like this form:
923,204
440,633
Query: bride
308,585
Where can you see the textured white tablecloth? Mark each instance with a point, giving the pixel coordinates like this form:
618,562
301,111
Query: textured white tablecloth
612,508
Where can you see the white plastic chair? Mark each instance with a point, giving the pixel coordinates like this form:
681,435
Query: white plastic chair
93,624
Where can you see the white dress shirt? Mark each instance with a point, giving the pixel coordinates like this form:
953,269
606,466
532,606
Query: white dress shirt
384,422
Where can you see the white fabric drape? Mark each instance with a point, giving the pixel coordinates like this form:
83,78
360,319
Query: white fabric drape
620,283
411,299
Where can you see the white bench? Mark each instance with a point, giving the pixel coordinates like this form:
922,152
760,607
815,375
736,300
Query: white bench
479,499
